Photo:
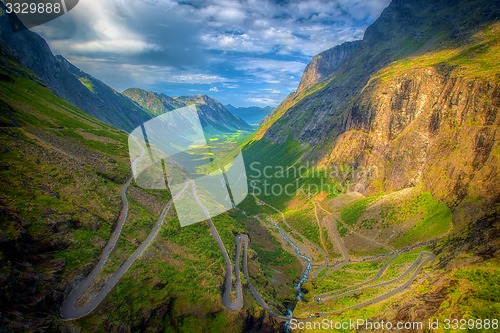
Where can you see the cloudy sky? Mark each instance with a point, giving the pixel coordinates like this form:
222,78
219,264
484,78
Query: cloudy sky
243,52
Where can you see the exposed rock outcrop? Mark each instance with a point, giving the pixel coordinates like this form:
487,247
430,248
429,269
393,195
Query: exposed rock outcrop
424,127
325,63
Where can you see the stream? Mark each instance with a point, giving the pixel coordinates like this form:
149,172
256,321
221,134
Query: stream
303,277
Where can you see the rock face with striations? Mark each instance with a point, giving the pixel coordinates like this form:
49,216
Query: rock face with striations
426,127
325,63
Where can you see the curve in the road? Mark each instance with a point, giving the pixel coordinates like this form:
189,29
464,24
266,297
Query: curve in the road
406,285
345,254
255,294
237,304
337,295
68,309
416,266
323,266
344,250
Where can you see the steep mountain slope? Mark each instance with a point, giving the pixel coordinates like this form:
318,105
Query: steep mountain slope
67,81
404,29
62,172
422,84
314,78
252,114
325,63
155,104
213,115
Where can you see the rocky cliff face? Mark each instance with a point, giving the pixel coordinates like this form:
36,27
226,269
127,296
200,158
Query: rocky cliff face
325,63
418,99
405,29
425,127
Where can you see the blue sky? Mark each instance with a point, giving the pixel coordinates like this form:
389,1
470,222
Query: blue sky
247,52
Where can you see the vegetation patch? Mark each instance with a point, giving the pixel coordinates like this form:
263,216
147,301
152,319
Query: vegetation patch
352,212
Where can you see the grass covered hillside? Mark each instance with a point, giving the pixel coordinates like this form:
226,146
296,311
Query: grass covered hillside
62,172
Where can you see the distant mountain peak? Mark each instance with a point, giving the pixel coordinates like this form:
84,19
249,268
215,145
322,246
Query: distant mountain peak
154,103
251,114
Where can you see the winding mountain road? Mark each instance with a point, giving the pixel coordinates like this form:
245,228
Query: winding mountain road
345,254
68,309
340,294
255,294
237,304
327,296
323,266
423,258
403,287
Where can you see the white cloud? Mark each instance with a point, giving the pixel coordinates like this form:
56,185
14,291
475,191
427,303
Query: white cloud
234,42
271,65
195,78
252,26
227,44
118,46
305,27
122,76
214,89
279,73
102,27
230,85
223,13
263,101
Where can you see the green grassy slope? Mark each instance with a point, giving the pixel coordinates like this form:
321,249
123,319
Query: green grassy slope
61,174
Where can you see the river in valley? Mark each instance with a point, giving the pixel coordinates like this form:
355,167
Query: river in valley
303,278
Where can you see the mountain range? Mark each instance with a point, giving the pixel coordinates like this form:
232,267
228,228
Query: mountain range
251,114
417,101
63,170
401,99
214,117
